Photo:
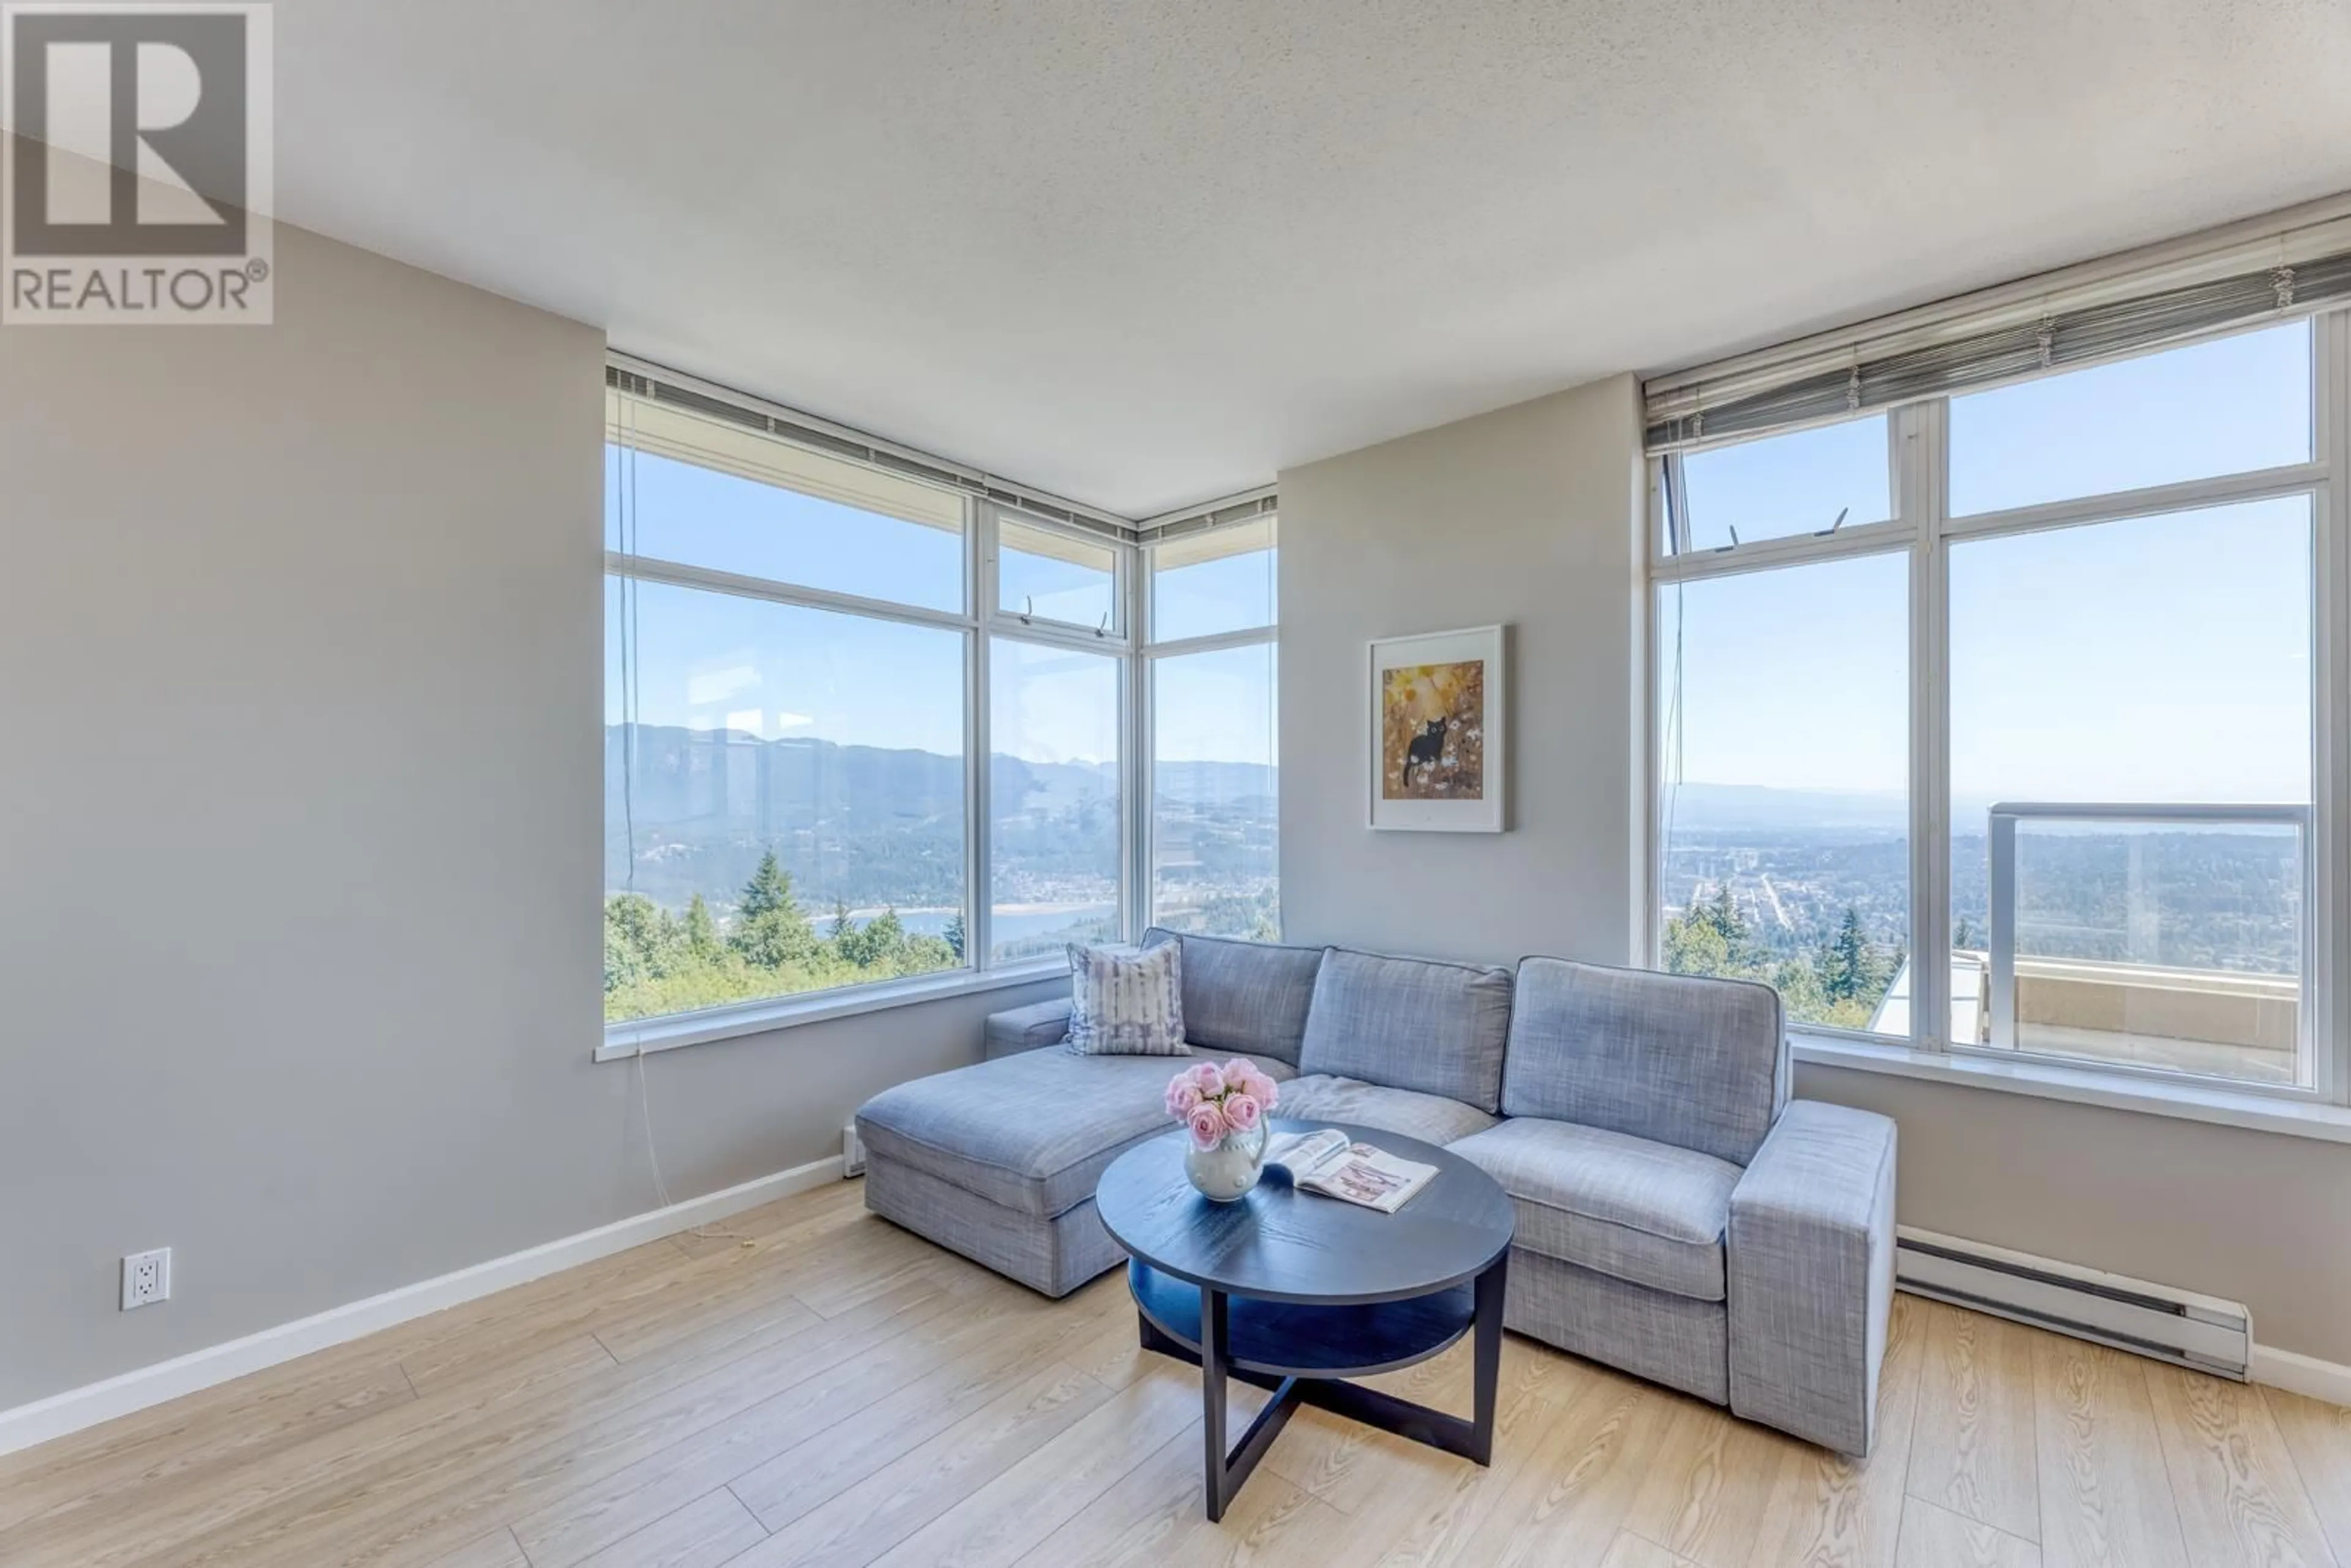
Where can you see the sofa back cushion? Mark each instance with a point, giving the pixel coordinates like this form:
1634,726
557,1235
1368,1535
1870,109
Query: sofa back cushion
1249,997
1677,1059
1409,1023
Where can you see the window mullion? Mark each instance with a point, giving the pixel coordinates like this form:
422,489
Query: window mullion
1138,776
2329,950
979,855
1762,555
1921,480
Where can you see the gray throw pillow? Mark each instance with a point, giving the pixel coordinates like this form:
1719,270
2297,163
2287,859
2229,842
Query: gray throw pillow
1126,1003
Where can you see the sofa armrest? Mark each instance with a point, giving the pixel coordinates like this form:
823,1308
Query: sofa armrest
1017,1029
1811,1275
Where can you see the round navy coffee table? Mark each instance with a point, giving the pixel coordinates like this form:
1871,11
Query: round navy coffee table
1297,1292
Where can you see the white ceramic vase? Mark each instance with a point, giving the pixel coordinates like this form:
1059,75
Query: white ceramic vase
1226,1172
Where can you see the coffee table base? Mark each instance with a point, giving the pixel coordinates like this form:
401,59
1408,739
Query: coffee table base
1304,1354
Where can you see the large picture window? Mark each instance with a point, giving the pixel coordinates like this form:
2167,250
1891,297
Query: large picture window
868,733
2054,719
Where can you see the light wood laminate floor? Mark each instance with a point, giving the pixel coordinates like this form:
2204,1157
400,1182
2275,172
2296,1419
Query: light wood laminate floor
841,1393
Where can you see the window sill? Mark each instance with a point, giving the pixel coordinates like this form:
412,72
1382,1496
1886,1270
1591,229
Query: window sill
2186,1102
623,1040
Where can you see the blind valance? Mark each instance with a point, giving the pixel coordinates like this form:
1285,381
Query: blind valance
1829,379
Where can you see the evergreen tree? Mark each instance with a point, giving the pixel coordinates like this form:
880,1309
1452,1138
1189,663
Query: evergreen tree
841,925
1725,913
1847,973
702,933
772,932
1695,945
625,965
1964,935
954,935
770,889
884,940
653,936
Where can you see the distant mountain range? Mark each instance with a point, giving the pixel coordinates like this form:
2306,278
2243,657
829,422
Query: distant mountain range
687,775
869,825
1747,808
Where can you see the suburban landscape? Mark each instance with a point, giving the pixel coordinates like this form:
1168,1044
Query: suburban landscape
738,868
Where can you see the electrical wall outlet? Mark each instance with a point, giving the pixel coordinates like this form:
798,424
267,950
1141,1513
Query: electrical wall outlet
852,1152
146,1277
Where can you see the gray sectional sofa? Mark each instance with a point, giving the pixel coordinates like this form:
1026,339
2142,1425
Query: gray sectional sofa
1677,1215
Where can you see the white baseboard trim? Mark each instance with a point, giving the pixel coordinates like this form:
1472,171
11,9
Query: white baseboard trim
77,1408
2303,1375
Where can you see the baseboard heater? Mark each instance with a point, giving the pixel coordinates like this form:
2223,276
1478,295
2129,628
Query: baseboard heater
2178,1326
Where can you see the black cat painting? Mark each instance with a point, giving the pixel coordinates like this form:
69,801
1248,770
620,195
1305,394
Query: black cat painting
1432,739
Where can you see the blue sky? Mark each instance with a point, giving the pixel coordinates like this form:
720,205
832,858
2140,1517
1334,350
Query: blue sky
2153,659
710,660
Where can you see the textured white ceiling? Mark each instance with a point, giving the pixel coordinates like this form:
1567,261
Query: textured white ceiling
1143,253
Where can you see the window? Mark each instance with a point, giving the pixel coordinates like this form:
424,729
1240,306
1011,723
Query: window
1215,821
1807,482
871,732
2086,681
1055,799
700,493
2130,804
784,780
2229,406
772,823
1047,576
1785,821
1213,583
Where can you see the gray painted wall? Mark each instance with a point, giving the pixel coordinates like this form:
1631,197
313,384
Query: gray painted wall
300,821
1530,515
1524,517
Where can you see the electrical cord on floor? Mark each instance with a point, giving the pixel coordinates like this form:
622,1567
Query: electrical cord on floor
660,1188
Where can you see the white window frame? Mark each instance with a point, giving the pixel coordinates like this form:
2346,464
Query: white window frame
1918,456
979,622
1144,687
1115,643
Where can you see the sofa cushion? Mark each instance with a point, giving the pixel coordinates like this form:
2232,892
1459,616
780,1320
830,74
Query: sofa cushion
1410,1023
1032,1132
1123,1002
1644,1212
1679,1059
1249,997
1431,1118
1030,1028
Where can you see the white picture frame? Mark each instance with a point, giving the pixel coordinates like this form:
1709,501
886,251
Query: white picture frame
1437,731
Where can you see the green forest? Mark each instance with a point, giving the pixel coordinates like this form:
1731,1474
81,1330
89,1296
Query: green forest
656,962
1839,983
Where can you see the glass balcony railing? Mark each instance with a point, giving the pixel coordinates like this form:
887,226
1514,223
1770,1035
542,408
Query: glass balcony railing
2171,937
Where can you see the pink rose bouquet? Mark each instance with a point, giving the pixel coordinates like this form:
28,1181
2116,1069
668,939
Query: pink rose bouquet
1212,1100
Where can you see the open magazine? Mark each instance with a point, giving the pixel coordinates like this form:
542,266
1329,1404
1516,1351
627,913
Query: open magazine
1324,1161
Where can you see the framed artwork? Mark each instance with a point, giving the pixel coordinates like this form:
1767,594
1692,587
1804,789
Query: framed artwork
1437,732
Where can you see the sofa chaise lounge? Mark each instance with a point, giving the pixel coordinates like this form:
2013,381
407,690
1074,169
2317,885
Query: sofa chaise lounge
1677,1215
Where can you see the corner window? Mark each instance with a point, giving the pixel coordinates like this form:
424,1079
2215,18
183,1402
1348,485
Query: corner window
866,731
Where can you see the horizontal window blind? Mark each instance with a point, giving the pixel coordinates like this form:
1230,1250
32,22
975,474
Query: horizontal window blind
1828,378
659,389
1214,517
